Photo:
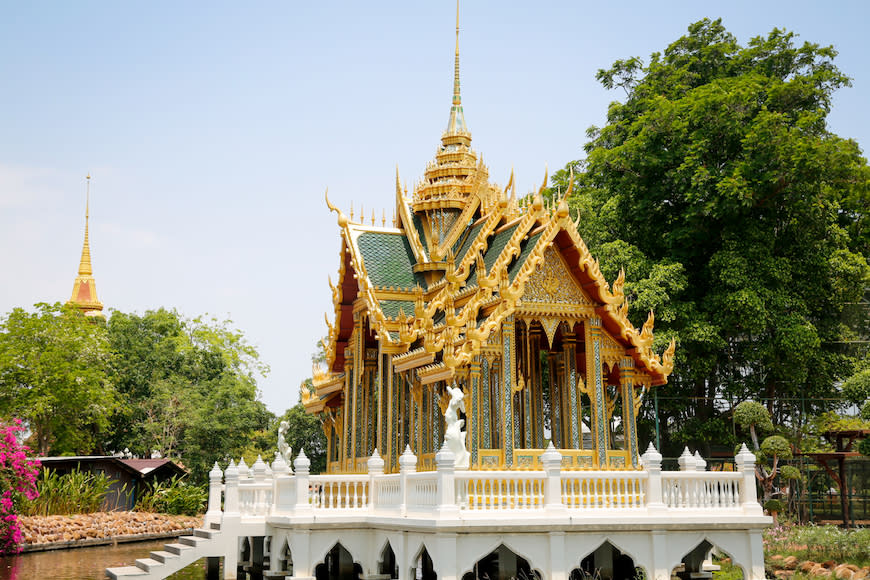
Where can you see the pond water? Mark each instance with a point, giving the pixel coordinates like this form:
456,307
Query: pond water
87,563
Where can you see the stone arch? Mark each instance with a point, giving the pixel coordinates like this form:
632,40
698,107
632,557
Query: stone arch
423,561
502,563
387,563
699,560
285,557
607,562
338,564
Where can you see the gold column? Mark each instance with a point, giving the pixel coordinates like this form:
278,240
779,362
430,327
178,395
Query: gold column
629,408
595,388
508,382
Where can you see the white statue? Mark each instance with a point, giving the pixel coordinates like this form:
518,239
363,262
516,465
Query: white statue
285,450
454,436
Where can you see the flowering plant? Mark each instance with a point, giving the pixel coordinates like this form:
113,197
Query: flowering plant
17,481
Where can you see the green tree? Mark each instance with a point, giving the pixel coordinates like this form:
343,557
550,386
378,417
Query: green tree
755,417
189,388
53,375
305,432
738,216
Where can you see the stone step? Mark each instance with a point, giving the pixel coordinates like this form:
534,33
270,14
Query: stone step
177,549
192,541
121,572
162,556
203,533
215,525
148,564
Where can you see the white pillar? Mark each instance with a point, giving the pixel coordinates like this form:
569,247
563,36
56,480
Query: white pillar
215,485
652,462
230,521
658,566
445,462
745,461
756,555
558,566
407,465
687,461
376,469
302,463
552,462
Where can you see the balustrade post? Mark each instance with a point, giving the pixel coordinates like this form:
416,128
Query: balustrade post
552,462
687,461
745,461
652,462
700,464
215,483
445,466
376,468
407,465
302,463
283,500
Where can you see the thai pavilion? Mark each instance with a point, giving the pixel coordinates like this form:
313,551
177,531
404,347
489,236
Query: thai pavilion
471,287
479,398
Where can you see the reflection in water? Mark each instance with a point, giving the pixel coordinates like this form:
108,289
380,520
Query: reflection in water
87,563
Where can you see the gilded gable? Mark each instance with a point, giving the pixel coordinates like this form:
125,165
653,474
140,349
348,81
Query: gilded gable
553,284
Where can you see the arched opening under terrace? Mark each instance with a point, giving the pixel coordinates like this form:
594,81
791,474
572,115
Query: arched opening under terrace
387,563
423,568
607,562
704,559
502,564
338,564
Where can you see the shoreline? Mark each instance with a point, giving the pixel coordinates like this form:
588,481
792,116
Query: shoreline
47,533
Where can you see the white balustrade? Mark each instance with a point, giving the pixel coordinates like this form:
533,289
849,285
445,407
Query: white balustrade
422,490
701,490
332,492
500,490
604,489
553,491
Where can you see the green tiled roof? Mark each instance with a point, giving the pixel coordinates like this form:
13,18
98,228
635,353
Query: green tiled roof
466,245
526,248
418,225
388,259
496,245
391,308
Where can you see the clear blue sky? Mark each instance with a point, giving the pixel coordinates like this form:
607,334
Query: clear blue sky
211,130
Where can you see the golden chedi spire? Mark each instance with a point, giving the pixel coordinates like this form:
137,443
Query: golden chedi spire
84,294
447,181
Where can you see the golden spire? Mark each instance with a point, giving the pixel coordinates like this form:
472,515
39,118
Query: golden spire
84,294
85,264
456,124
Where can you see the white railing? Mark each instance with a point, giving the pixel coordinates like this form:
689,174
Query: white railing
604,489
331,492
701,490
447,493
505,490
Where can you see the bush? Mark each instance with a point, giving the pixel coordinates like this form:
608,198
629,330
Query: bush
17,484
174,497
77,492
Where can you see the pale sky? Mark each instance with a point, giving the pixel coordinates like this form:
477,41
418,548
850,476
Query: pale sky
211,130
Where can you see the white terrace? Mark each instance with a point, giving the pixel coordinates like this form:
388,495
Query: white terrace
441,524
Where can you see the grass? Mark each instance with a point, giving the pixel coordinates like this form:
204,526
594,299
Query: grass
819,544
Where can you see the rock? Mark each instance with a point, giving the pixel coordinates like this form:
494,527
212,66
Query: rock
805,567
829,564
843,573
820,572
783,573
790,563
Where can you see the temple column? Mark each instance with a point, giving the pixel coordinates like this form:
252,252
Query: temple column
569,355
595,387
472,408
508,358
630,402
527,390
537,386
555,400
369,428
485,404
384,394
347,422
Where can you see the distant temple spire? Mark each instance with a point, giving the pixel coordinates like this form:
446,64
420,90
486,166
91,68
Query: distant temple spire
84,294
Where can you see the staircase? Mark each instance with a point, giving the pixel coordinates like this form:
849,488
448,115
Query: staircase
203,543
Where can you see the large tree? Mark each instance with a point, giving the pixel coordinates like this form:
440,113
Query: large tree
189,388
53,375
738,216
